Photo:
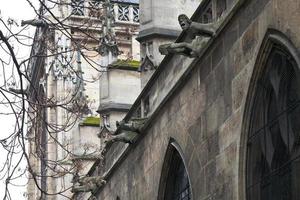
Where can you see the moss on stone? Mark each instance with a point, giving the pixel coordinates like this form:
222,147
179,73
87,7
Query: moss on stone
126,64
91,121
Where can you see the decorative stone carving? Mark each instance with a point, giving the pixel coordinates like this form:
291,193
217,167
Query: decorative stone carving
196,28
94,9
34,22
184,48
108,44
198,34
87,184
136,13
134,125
128,131
77,7
124,136
123,12
18,91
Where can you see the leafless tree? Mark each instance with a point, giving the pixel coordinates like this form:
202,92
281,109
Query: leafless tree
23,92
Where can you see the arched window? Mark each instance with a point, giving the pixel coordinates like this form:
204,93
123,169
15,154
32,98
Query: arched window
273,163
175,183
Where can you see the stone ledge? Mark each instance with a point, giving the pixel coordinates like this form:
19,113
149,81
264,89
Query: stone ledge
111,106
157,32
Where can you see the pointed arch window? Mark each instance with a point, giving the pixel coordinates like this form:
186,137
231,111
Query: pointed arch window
175,184
273,162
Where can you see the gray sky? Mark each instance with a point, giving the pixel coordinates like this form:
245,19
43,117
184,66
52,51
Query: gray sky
17,10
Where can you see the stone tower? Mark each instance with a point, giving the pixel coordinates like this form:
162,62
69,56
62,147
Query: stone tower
120,79
72,75
159,25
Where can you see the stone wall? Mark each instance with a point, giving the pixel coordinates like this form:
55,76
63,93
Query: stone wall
204,113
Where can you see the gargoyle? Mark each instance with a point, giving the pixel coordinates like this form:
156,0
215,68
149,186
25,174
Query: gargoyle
124,136
88,184
128,131
198,29
198,35
18,91
184,48
134,125
34,22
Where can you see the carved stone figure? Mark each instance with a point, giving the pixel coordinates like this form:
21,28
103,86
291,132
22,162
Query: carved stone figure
134,125
124,136
88,184
128,131
108,43
196,28
18,91
184,48
34,22
198,35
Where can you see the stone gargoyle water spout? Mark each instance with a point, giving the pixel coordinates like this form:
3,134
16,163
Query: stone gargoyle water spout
34,22
198,35
88,184
128,131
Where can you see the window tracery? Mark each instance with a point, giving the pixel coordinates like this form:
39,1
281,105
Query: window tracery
273,147
136,13
220,7
123,12
94,8
77,7
94,3
207,15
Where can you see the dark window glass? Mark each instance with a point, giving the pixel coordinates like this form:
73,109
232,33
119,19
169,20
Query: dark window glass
273,162
178,187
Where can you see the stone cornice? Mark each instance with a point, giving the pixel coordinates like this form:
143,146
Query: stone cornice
112,106
157,32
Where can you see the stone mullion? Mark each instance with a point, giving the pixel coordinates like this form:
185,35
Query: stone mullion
130,14
115,7
214,9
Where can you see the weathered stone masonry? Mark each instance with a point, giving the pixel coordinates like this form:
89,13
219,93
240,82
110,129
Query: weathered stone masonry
200,103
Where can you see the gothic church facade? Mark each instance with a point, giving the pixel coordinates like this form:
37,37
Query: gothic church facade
222,123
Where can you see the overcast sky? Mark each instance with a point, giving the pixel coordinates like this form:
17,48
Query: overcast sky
17,10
